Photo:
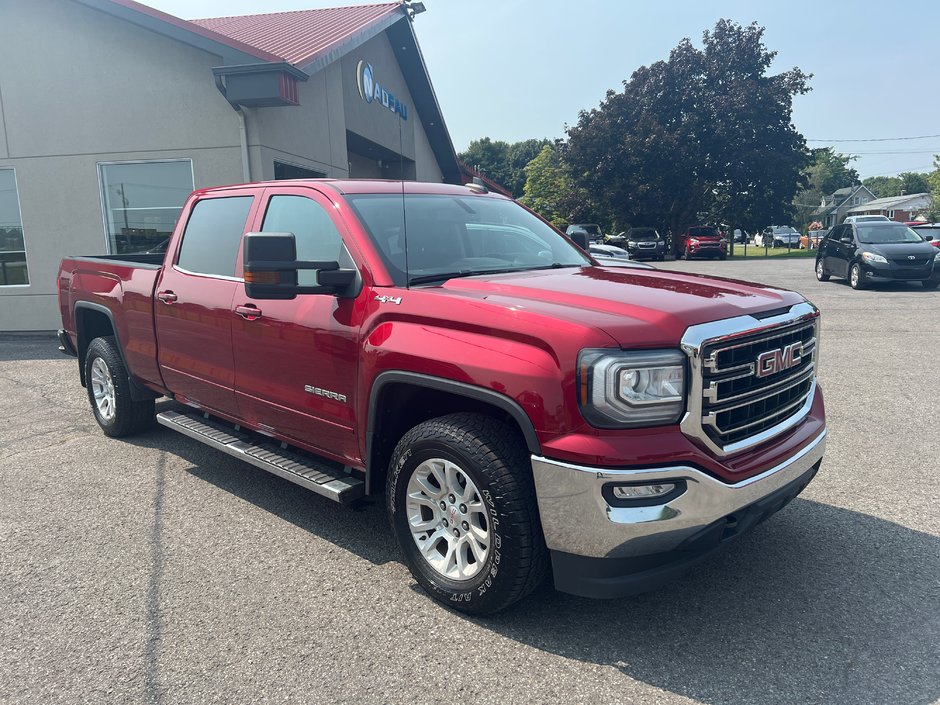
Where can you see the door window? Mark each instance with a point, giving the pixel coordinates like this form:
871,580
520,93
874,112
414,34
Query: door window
213,235
315,234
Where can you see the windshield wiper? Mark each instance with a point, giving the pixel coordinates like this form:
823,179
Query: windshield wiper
443,276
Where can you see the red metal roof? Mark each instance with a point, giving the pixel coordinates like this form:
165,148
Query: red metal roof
301,36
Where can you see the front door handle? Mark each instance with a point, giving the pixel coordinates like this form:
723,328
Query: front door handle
167,297
249,312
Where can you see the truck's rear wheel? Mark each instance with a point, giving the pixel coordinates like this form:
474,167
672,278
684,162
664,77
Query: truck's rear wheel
109,391
462,505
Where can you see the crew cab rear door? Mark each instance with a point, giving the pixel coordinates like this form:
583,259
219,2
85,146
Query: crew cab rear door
296,361
193,307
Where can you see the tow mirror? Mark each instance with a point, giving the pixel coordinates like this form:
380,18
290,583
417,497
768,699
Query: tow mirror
580,238
271,266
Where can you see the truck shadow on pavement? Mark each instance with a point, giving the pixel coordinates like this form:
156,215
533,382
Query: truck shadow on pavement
361,528
818,605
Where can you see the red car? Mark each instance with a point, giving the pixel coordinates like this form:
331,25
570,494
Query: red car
701,241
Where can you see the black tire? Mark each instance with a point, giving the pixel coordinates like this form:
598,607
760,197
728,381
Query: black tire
496,461
722,257
856,280
821,273
930,284
128,416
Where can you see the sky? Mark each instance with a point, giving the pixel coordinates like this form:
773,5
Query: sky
517,69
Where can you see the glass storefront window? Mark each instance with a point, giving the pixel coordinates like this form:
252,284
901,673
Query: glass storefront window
13,269
142,201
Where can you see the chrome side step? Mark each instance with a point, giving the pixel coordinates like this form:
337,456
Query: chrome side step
330,482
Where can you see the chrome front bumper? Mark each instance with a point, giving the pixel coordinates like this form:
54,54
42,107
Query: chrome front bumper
576,519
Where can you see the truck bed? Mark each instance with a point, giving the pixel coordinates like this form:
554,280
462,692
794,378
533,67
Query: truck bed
120,287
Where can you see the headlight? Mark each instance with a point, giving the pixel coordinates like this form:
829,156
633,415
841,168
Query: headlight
620,389
872,257
694,240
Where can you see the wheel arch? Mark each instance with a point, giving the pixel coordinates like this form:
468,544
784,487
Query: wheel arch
400,400
95,321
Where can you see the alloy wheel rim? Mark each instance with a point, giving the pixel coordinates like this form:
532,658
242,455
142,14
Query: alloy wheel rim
854,276
447,519
102,388
819,269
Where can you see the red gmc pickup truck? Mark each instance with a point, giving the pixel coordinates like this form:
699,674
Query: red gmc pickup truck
524,410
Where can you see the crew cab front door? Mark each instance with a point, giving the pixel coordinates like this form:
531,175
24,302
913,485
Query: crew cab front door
296,361
193,307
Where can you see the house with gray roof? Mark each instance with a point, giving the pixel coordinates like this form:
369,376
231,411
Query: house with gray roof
901,208
834,207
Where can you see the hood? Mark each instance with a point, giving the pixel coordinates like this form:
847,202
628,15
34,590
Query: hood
899,250
636,307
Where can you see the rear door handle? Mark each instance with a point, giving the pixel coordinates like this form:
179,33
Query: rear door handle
249,312
167,297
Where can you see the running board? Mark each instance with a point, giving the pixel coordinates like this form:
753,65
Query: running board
330,482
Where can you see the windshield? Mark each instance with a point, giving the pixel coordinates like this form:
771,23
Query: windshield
785,229
453,235
645,234
703,232
883,233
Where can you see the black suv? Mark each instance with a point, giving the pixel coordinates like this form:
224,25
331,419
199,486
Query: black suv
870,252
645,243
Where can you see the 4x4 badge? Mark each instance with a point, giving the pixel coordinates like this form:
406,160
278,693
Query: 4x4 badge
388,299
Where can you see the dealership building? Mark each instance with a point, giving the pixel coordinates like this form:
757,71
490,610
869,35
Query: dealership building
111,112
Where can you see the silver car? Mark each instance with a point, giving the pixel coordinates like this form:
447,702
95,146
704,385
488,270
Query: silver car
777,236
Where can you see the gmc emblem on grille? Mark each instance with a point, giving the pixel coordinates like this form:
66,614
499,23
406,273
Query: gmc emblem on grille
774,361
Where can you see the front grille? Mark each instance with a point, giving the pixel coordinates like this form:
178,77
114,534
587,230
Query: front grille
922,273
737,404
916,262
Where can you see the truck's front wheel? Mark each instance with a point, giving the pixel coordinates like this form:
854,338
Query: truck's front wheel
109,391
462,505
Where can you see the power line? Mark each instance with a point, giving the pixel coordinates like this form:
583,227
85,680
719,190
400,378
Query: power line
881,139
935,150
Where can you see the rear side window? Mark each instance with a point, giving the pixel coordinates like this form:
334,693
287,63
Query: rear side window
213,235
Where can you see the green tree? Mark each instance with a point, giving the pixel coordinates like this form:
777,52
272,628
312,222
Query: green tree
706,132
907,181
489,157
933,180
551,192
503,162
826,172
883,186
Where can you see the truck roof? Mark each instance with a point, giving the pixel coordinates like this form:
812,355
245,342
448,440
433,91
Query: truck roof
352,186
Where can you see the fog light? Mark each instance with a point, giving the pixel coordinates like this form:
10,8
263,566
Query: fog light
642,494
642,491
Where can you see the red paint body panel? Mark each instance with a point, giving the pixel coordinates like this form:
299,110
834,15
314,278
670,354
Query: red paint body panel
517,334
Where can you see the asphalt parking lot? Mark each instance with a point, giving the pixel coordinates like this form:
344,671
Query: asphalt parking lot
156,570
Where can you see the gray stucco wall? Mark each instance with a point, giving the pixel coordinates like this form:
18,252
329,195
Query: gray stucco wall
310,135
79,86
